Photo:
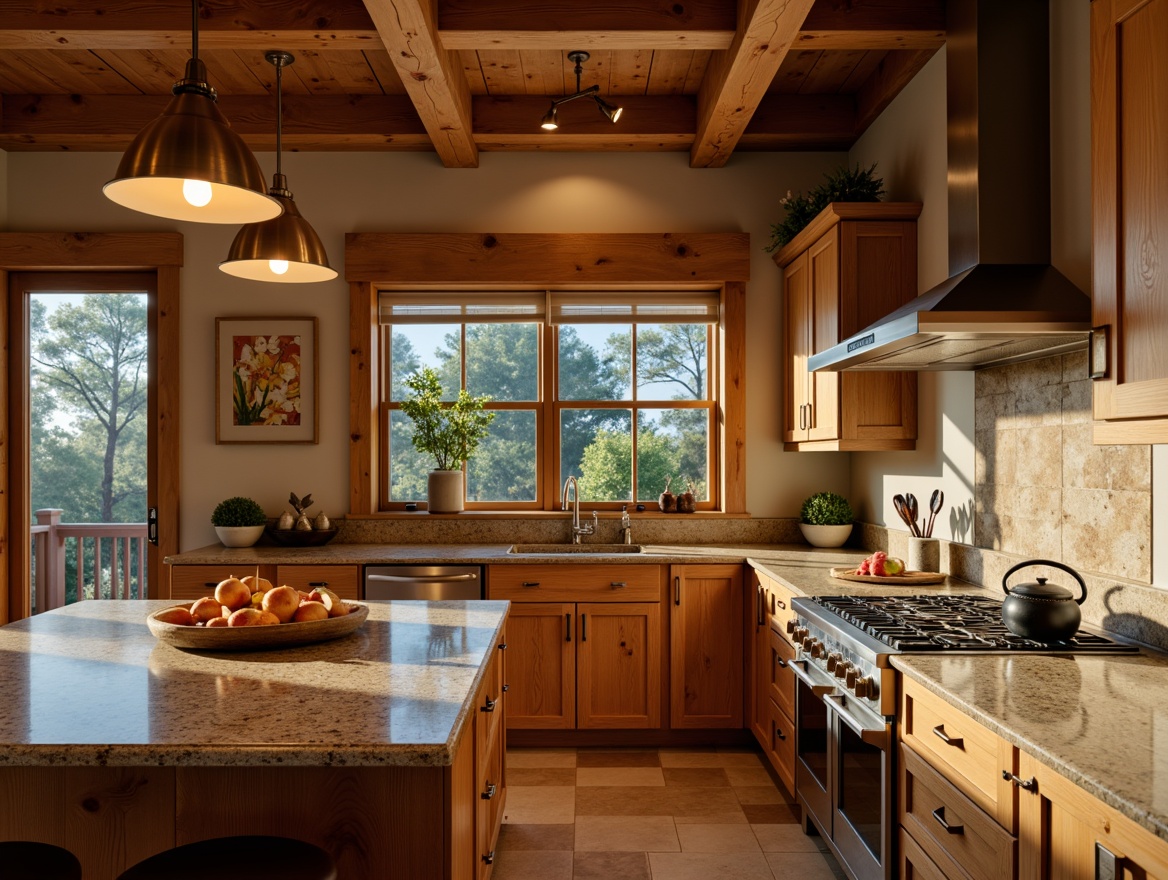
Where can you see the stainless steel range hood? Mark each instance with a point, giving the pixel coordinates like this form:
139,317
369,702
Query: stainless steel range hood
1004,302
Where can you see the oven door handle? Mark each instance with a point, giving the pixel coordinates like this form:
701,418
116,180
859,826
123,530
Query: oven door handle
877,737
799,668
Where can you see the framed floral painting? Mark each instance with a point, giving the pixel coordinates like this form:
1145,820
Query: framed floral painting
265,380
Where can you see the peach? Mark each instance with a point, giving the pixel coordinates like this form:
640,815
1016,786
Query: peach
217,622
330,600
267,618
256,584
206,608
245,617
178,615
233,593
282,602
310,611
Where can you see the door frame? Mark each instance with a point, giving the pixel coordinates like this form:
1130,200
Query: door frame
158,252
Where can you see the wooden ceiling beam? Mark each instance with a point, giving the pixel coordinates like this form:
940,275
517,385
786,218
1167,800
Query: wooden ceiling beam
874,25
563,25
893,74
737,78
431,74
223,24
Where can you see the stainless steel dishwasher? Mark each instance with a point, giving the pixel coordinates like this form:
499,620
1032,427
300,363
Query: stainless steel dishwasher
423,582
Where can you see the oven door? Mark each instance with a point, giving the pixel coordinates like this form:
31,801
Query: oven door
861,778
812,748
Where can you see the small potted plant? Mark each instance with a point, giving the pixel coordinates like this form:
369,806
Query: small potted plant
826,520
450,433
238,521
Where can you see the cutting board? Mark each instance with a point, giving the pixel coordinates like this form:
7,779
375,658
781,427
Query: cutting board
908,577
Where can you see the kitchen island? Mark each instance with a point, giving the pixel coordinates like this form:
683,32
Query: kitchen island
371,746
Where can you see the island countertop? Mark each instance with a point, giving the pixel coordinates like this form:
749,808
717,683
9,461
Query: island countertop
89,685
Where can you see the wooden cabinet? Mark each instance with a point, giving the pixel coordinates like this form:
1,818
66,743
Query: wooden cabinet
852,265
1129,146
594,658
195,581
706,646
770,684
1067,834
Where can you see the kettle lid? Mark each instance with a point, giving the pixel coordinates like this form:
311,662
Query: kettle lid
1041,590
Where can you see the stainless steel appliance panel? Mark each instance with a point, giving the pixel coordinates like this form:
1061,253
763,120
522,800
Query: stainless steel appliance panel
432,582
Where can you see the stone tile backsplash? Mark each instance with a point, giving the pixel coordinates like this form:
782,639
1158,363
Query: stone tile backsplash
1042,488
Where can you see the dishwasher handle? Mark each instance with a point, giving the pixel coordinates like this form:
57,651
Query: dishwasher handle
412,579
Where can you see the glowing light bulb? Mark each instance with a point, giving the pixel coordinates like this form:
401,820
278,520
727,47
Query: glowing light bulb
197,192
279,267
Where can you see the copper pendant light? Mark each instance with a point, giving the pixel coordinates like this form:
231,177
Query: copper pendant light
285,249
188,164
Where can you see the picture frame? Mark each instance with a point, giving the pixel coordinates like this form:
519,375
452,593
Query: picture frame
266,380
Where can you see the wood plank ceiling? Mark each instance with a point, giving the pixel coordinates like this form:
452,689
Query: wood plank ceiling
460,76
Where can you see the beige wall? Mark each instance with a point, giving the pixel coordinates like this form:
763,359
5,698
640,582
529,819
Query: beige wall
412,192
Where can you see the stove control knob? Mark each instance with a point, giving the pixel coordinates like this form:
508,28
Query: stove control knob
833,660
842,669
852,677
861,687
792,624
808,641
817,648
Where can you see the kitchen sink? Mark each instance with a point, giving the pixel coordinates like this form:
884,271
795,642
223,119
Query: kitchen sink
596,549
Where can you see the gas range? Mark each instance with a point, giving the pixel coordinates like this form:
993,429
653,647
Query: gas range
850,638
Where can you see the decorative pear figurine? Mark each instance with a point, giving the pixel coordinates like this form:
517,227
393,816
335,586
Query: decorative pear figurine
302,524
286,521
321,522
666,500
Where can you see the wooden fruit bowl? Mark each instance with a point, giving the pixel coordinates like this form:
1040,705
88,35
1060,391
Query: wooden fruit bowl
255,638
907,577
294,538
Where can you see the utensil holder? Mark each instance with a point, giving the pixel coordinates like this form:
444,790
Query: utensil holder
924,554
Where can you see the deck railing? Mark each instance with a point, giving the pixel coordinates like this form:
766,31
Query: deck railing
113,553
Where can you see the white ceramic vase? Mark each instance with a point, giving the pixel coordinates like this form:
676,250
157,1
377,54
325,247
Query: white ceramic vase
238,536
444,492
825,536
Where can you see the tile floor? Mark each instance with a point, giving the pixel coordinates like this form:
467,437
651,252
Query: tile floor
651,814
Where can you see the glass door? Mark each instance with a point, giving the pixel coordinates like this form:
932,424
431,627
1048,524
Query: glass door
862,768
812,782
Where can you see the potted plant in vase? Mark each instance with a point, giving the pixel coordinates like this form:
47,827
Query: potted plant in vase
451,434
826,520
238,521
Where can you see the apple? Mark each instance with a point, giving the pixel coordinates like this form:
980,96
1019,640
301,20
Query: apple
256,584
310,611
206,608
233,593
893,565
217,622
245,617
282,602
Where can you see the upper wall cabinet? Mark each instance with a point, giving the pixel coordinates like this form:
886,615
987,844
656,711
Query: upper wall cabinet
1129,158
852,265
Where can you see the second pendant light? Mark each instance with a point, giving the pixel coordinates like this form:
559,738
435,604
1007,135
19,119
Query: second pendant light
284,249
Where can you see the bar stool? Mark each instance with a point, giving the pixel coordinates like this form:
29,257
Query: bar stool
26,860
237,858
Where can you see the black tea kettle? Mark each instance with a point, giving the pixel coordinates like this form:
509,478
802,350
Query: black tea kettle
1040,611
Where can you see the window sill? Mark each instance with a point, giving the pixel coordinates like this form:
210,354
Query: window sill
543,514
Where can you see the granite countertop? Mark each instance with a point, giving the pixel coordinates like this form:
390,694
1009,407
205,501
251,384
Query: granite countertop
89,685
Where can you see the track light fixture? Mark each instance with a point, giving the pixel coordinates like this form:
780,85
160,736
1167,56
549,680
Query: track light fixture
550,121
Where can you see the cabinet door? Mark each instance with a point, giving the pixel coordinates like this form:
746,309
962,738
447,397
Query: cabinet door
1130,199
541,666
618,664
706,646
1064,831
824,317
797,293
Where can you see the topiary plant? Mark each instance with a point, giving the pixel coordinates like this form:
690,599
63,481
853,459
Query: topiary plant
826,509
238,511
842,185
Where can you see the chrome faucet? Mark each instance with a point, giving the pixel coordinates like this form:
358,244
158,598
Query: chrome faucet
626,525
577,529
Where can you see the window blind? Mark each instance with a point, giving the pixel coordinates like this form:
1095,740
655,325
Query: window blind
461,307
637,306
566,307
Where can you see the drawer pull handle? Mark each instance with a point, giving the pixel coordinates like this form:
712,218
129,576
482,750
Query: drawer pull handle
318,583
939,815
677,591
780,603
616,585
780,662
489,858
583,627
489,705
955,741
506,688
502,646
1108,866
531,583
210,583
778,732
490,792
1030,784
567,627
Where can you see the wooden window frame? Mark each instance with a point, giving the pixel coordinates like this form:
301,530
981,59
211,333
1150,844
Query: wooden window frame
565,261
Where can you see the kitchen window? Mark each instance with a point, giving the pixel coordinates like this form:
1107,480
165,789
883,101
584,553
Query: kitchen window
618,388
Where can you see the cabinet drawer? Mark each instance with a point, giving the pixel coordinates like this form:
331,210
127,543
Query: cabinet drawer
782,679
914,863
575,583
341,579
490,797
950,827
782,745
488,707
777,603
196,581
961,749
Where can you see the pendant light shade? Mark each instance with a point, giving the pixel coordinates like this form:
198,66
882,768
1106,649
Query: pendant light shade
285,249
188,164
